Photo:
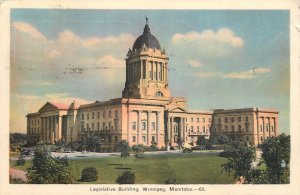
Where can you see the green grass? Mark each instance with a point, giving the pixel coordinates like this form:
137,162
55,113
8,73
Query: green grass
194,168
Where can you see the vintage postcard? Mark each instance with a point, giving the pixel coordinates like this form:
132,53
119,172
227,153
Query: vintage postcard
147,97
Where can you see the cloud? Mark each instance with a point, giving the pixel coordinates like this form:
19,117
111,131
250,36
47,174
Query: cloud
40,83
29,29
249,74
53,53
222,36
207,45
195,63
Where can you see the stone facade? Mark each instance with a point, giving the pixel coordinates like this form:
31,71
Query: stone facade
147,112
252,125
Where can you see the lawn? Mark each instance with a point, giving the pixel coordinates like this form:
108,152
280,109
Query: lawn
194,168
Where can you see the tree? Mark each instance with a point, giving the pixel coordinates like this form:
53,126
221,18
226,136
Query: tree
49,170
127,177
124,148
179,142
240,157
138,151
201,141
223,139
276,156
93,142
89,174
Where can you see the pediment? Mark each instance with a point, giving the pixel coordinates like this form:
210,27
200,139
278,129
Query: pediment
177,109
48,107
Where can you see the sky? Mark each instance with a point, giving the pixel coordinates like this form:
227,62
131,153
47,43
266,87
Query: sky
218,58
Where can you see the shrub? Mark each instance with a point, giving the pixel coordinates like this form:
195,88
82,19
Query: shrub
127,177
187,150
124,148
89,174
170,181
138,151
21,161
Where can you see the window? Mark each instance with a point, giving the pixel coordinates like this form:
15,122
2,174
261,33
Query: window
109,125
247,138
203,119
98,126
160,94
175,129
116,125
239,119
261,128
116,113
204,130
133,138
198,129
87,127
272,127
261,138
192,119
240,128
144,138
82,127
267,128
92,126
82,116
116,139
98,114
247,127
104,114
197,119
232,119
103,126
133,126
143,125
88,116
192,128
93,116
153,126
246,118
226,120
219,120
153,138
109,113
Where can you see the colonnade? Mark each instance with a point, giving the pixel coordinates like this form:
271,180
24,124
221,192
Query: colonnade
51,128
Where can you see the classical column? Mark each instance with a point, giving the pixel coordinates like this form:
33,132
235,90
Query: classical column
168,129
275,127
138,128
55,128
180,129
156,64
49,130
141,69
59,127
157,128
128,127
166,73
183,129
148,129
172,130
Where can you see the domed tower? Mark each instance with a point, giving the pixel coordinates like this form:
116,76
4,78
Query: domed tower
146,69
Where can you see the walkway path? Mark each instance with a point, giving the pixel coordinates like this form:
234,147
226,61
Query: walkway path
17,174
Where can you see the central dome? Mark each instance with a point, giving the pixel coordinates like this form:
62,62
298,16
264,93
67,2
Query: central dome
146,38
